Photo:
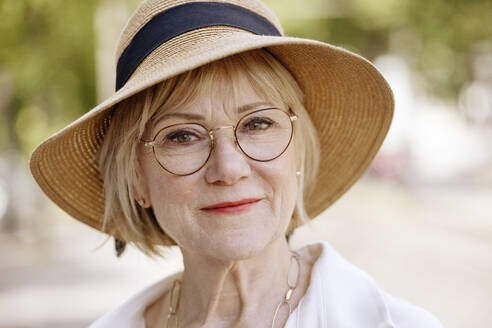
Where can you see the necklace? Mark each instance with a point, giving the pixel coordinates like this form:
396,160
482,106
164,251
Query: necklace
172,316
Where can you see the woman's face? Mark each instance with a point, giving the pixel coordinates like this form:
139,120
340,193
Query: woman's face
182,203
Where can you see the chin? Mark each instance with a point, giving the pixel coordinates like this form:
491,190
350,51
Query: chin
238,245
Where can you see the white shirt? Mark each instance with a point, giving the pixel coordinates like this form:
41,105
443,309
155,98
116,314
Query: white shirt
339,296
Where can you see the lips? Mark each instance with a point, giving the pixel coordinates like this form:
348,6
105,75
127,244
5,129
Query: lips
231,206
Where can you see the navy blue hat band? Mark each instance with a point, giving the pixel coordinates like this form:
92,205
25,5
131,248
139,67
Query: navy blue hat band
181,19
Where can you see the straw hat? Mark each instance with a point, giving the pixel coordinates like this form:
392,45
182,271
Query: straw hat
348,100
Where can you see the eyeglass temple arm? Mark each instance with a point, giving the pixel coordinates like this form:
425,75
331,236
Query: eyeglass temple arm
147,143
292,115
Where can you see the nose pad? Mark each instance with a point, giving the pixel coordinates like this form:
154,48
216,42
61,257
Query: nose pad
226,165
214,136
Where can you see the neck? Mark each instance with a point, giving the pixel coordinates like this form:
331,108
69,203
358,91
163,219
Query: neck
219,293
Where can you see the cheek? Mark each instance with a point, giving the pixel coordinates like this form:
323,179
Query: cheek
171,201
170,197
288,193
167,193
280,179
163,187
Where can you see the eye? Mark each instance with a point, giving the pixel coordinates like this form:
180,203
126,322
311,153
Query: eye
182,137
258,124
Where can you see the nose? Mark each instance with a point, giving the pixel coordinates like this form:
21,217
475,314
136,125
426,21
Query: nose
227,163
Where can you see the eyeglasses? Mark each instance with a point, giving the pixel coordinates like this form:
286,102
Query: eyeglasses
184,148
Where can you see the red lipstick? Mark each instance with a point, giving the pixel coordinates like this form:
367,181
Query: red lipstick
232,207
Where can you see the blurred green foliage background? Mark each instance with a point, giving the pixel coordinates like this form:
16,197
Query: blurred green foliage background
48,61
431,198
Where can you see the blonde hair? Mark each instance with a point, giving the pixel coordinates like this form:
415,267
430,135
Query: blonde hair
131,223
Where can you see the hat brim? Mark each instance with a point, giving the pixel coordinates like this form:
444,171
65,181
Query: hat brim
349,102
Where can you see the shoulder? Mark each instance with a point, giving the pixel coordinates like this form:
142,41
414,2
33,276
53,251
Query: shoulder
345,292
407,315
130,314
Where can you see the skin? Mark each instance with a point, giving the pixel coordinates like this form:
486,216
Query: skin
236,265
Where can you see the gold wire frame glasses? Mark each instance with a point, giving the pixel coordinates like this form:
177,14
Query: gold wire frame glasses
184,148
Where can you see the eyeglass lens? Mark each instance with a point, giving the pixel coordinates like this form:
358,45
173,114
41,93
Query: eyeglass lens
184,148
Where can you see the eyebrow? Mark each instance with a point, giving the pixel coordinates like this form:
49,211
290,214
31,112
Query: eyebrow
198,117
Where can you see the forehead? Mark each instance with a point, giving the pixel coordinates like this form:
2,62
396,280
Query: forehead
227,91
228,87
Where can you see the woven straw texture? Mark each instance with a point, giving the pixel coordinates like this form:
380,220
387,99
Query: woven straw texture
348,100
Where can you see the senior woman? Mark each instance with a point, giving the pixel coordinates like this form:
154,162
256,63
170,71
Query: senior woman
223,136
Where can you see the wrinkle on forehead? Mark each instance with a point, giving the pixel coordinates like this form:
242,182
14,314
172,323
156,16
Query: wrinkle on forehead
209,83
212,82
211,100
223,84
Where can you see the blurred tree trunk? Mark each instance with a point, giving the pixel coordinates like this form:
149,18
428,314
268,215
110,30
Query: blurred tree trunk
110,17
7,110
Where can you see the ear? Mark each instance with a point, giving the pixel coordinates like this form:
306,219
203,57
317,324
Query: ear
140,191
